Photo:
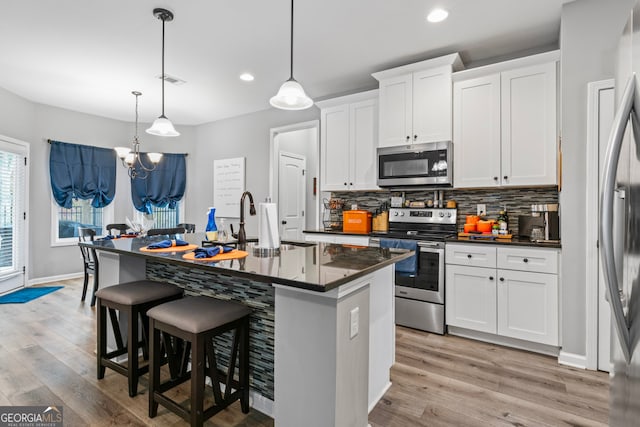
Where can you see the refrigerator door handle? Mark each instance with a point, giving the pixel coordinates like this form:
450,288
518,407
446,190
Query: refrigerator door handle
614,147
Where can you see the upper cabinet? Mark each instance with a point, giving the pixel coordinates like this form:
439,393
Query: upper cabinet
504,124
415,101
348,141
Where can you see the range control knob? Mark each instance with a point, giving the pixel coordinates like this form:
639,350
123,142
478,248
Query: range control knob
448,214
441,214
395,213
401,213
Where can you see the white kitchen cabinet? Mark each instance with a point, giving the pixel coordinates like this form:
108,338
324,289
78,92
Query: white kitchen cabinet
471,298
415,101
348,142
504,125
528,306
508,291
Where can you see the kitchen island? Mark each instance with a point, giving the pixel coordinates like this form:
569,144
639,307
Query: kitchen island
322,331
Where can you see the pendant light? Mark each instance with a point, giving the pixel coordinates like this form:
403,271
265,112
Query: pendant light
162,126
291,95
132,159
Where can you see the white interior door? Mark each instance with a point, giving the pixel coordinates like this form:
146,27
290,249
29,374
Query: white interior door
13,199
291,195
606,100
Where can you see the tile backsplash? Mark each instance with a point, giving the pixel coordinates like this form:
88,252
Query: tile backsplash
517,201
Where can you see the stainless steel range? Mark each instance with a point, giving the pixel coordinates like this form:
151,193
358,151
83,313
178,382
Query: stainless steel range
420,296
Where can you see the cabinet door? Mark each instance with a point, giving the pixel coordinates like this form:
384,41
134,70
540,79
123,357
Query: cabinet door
395,98
529,126
432,105
334,148
528,306
476,132
470,300
363,125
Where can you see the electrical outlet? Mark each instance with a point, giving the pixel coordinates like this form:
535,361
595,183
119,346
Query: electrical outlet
354,321
481,209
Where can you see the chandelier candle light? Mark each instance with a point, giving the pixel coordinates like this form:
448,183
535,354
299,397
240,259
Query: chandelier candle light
162,126
291,95
132,159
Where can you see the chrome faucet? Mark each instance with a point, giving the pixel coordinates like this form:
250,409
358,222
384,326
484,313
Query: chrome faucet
242,236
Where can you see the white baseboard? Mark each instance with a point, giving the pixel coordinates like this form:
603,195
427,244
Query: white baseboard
377,398
549,350
261,403
571,359
48,279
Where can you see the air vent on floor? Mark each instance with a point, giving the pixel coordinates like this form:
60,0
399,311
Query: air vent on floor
173,80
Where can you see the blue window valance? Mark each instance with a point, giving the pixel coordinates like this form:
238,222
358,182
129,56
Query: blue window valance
164,186
82,172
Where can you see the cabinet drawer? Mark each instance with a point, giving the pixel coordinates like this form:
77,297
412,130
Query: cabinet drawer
471,255
528,259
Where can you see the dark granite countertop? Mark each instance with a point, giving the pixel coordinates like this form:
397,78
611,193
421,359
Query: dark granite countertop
314,266
514,241
339,232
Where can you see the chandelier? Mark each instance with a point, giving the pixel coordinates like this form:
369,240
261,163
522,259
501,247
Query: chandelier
132,158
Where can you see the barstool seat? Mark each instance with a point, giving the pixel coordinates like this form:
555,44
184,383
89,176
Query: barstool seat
132,299
197,320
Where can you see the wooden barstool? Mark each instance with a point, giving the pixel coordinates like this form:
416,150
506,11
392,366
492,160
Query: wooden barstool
134,299
197,320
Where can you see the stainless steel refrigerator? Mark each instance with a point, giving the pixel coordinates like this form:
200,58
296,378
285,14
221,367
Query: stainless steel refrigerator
620,230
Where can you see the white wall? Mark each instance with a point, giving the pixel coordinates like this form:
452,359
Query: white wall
590,30
243,136
35,123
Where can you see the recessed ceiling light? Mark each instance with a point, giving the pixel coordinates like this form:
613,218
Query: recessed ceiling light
437,15
246,77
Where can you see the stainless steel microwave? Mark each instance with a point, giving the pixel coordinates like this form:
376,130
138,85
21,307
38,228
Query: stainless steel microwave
426,164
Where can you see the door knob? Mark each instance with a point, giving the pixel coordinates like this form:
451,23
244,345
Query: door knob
284,222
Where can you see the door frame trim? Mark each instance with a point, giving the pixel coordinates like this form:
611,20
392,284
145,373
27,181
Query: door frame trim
274,149
592,218
27,173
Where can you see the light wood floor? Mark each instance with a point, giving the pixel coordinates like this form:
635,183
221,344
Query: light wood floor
47,357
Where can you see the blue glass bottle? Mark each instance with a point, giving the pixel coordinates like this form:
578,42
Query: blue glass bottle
211,229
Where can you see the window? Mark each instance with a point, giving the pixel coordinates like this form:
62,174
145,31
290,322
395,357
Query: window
161,217
65,222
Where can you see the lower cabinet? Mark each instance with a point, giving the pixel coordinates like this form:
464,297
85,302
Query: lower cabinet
471,298
504,301
528,306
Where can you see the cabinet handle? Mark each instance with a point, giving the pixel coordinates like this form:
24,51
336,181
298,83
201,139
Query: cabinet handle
351,183
495,178
469,256
490,277
502,279
505,177
408,138
415,137
525,260
345,183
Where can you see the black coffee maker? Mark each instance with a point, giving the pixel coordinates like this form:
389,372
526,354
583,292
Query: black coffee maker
544,217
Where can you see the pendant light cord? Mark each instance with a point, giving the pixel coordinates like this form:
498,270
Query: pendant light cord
136,135
291,51
162,76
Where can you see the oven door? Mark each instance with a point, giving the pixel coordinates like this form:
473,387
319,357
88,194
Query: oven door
428,284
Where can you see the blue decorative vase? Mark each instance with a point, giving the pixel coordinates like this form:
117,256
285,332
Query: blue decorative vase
211,229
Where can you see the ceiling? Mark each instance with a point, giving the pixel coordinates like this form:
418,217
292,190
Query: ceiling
88,56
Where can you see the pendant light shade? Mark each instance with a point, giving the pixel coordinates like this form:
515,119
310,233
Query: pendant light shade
291,95
162,126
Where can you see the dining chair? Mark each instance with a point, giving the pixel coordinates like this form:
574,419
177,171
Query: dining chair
188,228
122,228
167,231
90,261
